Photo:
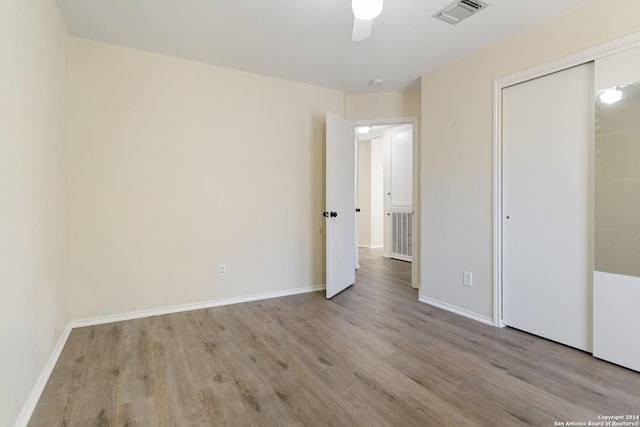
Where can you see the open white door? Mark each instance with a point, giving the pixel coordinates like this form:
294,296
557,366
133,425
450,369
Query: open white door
340,230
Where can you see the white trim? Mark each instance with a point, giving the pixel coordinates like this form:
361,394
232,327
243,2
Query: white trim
457,310
497,205
387,122
401,257
38,388
193,306
402,206
371,246
588,55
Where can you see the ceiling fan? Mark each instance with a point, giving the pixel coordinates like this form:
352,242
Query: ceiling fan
364,11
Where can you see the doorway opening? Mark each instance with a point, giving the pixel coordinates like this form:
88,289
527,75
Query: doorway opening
387,191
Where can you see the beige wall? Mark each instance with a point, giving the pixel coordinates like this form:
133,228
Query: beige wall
32,196
176,167
457,139
377,192
370,192
385,105
364,193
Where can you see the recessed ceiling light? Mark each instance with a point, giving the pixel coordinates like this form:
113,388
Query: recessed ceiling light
377,81
363,129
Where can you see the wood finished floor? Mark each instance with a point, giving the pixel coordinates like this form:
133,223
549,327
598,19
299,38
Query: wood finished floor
372,356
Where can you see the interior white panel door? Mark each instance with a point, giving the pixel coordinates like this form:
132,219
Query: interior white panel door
401,151
401,194
547,249
340,210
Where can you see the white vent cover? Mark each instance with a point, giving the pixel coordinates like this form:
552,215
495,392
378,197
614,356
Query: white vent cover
460,10
401,235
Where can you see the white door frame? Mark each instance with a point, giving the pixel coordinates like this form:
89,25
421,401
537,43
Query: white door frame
588,55
415,241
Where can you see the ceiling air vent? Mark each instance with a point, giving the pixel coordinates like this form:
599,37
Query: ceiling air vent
459,11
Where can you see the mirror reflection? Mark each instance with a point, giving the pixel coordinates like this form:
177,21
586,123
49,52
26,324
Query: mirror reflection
617,176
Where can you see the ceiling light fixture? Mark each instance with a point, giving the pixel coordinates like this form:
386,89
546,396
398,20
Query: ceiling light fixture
376,82
611,96
363,129
366,9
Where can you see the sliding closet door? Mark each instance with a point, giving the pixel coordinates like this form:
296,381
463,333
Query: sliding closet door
616,336
547,261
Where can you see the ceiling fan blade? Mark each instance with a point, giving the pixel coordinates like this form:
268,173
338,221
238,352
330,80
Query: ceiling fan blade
361,29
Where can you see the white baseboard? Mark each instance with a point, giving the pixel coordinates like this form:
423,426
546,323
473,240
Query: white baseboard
36,392
457,310
193,306
401,257
38,388
371,246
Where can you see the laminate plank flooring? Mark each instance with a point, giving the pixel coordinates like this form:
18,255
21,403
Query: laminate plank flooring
371,356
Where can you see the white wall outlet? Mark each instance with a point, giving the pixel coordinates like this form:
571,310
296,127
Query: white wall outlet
222,270
467,278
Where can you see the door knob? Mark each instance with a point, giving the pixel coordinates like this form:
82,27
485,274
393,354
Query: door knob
333,214
357,209
325,214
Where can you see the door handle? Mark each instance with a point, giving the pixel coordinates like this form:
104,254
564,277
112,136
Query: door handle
357,209
325,214
333,214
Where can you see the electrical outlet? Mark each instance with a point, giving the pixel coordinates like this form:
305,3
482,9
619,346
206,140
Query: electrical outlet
467,278
222,270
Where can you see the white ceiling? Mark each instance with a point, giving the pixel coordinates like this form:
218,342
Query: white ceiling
306,40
